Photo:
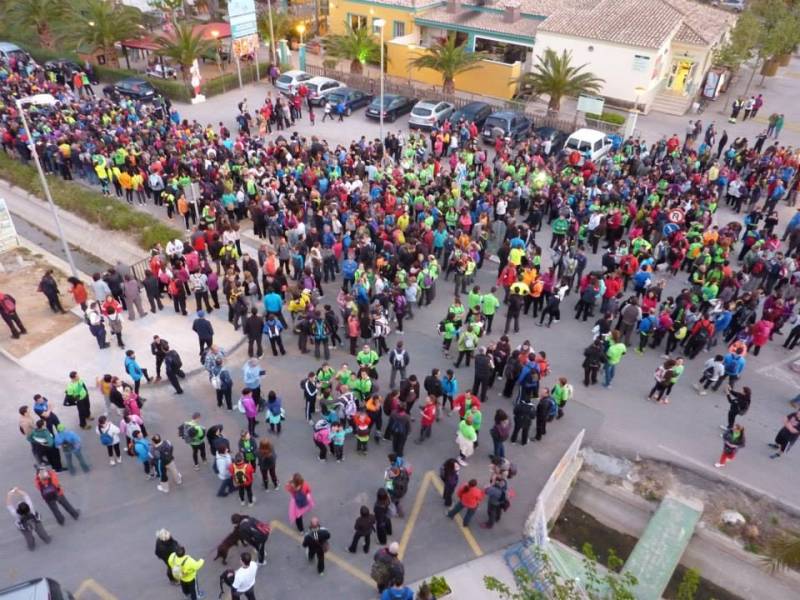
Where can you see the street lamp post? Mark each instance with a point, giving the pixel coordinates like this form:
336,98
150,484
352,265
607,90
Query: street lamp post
272,53
46,187
630,131
381,24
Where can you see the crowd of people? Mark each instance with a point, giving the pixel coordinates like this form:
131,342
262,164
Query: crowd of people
391,223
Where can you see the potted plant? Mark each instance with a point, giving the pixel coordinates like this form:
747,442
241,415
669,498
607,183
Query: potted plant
434,589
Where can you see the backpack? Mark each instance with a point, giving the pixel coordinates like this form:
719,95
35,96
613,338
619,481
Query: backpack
256,530
172,288
319,330
106,438
166,452
399,359
177,569
187,432
49,491
400,484
8,305
240,474
300,499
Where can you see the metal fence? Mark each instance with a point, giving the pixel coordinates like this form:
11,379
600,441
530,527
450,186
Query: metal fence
414,89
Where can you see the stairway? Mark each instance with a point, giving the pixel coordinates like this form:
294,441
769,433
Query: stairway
671,103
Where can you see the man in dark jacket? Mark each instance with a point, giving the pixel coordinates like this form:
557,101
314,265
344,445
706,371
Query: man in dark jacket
594,358
484,368
544,409
173,367
205,332
524,413
157,350
433,386
363,527
386,567
8,310
153,291
253,328
316,543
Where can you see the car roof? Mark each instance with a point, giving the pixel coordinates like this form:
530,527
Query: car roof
473,106
506,114
428,103
294,73
34,589
346,90
588,134
319,79
9,47
135,81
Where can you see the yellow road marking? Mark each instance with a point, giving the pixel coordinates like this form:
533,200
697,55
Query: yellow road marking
429,479
330,555
94,588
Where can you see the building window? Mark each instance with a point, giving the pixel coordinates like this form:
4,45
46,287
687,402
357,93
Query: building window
375,29
398,29
641,63
504,52
357,22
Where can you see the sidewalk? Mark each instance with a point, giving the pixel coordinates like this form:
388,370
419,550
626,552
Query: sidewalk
466,579
92,362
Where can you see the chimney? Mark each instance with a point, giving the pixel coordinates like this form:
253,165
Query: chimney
512,11
452,6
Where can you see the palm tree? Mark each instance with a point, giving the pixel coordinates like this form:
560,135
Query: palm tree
356,45
555,76
184,46
283,24
99,24
450,60
38,15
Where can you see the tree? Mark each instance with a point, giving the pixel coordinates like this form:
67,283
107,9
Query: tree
784,553
356,45
742,42
100,24
283,24
38,15
184,47
554,75
449,59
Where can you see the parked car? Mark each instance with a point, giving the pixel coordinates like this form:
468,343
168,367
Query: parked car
556,137
353,99
287,81
162,72
506,123
137,89
735,5
7,50
475,112
393,106
590,143
427,115
41,588
319,87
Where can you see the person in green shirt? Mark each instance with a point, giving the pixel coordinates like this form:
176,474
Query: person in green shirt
614,353
77,394
561,393
325,376
474,297
368,358
449,330
560,228
489,304
184,568
467,343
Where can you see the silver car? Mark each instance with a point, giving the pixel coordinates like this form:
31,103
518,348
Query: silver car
320,87
427,115
288,81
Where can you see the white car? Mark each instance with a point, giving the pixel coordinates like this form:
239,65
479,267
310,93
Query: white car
162,72
288,81
320,87
427,115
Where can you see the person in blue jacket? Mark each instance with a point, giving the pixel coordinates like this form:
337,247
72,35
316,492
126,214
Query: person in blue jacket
721,323
647,325
273,305
349,267
135,371
69,443
449,389
734,364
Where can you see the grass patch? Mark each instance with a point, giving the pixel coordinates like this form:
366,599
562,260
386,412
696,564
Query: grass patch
90,205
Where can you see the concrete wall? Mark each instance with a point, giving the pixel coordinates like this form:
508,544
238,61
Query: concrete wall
490,79
615,63
340,12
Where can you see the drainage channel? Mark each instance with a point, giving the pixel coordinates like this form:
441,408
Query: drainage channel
88,263
575,527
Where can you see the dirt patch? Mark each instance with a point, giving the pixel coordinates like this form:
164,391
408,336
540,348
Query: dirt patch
19,276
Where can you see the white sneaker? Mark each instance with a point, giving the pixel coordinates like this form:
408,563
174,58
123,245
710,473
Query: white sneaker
119,460
161,488
111,462
719,465
242,503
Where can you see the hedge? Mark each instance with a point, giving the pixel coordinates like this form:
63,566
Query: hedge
607,117
90,205
172,88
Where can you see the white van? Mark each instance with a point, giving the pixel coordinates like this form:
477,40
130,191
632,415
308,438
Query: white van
590,143
7,50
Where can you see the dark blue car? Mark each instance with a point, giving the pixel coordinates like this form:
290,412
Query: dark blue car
353,99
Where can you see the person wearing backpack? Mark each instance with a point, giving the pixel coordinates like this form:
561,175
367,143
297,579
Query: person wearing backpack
164,460
386,567
8,310
398,359
739,404
194,434
109,437
253,532
467,343
242,476
396,479
165,546
316,543
300,500
497,502
47,483
173,367
26,518
184,569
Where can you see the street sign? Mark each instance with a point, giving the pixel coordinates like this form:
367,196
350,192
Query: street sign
591,104
242,16
676,215
8,233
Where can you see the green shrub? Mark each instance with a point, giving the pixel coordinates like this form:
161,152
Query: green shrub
90,205
607,117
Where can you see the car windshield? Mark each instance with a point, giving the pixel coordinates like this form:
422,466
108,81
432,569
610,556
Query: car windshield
335,98
422,112
493,122
285,79
576,144
387,101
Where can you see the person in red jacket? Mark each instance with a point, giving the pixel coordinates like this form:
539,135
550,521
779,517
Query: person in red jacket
47,483
428,411
242,477
470,497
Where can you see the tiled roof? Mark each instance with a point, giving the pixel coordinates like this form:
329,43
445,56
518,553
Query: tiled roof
485,21
702,24
687,35
407,3
642,23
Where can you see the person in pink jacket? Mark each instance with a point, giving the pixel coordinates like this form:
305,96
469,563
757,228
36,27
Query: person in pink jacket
250,410
322,438
300,500
761,332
